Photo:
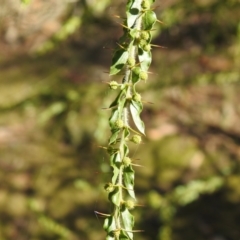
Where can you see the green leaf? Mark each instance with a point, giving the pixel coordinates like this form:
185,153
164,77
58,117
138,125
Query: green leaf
145,59
133,12
117,99
137,105
113,118
126,149
126,132
135,109
135,77
119,59
115,197
128,178
124,236
114,136
115,174
109,224
133,32
115,158
128,222
149,19
129,4
110,237
121,104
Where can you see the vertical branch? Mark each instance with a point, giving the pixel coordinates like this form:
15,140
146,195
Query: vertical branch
133,59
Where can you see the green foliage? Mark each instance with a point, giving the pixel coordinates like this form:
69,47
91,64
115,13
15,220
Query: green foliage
68,28
26,1
133,59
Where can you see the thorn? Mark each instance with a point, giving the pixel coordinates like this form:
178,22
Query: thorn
160,22
116,16
147,102
140,205
101,214
131,129
132,230
124,26
105,82
109,108
108,48
158,46
120,46
136,165
102,147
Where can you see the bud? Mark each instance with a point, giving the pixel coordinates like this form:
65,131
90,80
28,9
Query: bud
144,35
137,97
119,123
129,204
137,70
131,62
127,161
142,43
116,233
113,85
145,4
143,75
146,48
109,187
111,150
136,139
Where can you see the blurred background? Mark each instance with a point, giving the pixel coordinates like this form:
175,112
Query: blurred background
55,56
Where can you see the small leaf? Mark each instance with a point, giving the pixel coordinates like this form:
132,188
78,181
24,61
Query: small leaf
124,236
113,118
138,105
133,32
119,59
115,158
135,77
115,174
110,237
128,178
114,197
128,222
126,150
109,224
114,136
133,12
135,110
145,59
126,132
149,19
117,99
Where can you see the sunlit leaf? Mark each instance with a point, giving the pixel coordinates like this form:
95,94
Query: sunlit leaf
115,174
145,59
128,178
113,118
124,236
115,197
135,109
119,59
149,19
115,158
133,12
128,221
109,224
114,136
